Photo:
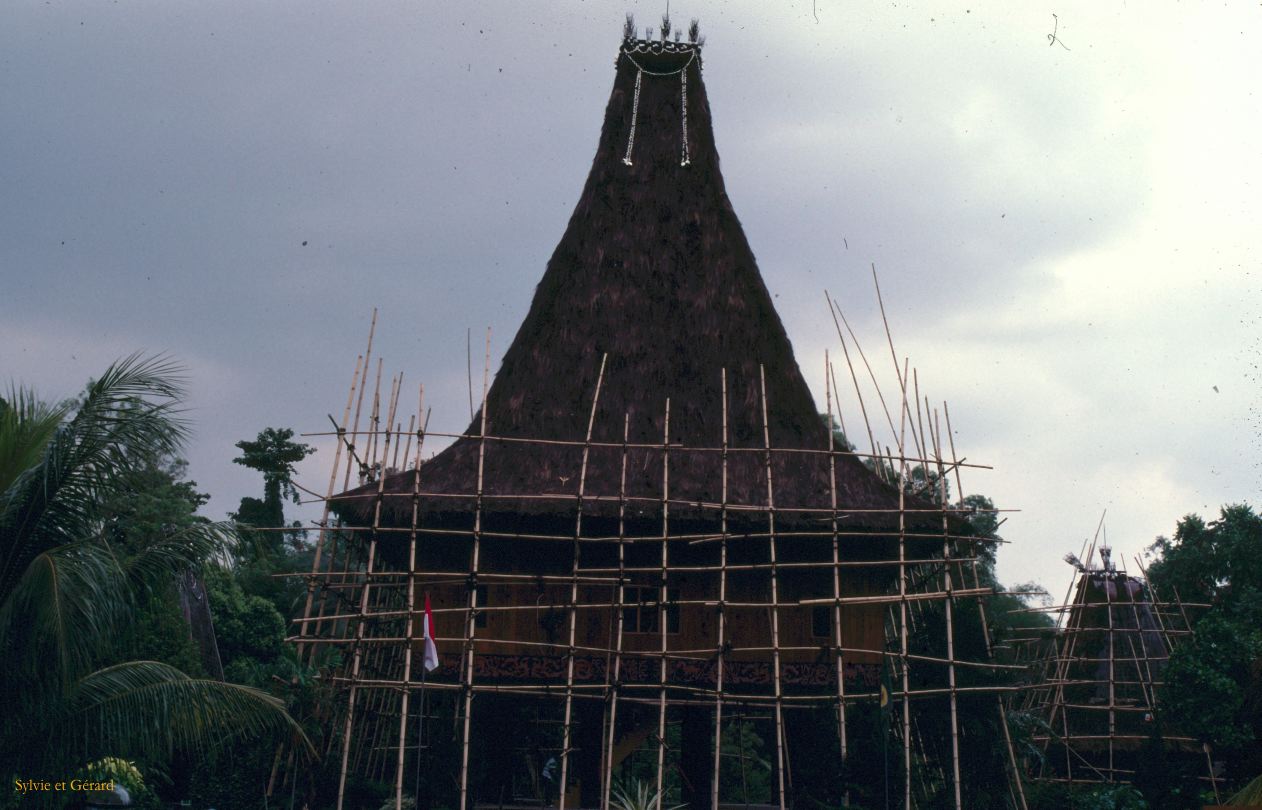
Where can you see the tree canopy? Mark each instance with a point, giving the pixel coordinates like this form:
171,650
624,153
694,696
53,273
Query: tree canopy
1213,685
81,549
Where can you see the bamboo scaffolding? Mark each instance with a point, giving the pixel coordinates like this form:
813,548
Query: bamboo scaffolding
1016,786
410,650
359,633
612,687
471,621
576,556
1123,678
836,550
775,598
721,607
876,454
367,603
661,609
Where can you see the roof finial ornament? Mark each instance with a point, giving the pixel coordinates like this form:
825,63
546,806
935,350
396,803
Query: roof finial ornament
635,112
684,160
648,45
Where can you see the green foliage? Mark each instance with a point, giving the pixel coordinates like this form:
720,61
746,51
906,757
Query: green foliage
270,554
83,554
249,629
1248,796
638,794
1087,797
1213,684
122,772
744,770
1208,680
273,453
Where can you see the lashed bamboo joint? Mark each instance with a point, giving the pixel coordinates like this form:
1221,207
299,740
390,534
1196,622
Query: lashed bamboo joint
648,554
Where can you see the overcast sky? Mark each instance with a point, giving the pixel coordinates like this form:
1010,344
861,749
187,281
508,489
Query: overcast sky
1065,230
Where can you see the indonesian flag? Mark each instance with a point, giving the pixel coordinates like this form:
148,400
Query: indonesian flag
431,650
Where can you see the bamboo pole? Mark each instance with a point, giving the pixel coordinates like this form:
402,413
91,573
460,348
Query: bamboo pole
902,378
566,735
775,598
948,606
377,698
1112,685
578,444
871,374
411,608
1013,767
902,612
613,689
853,377
322,535
721,607
348,728
837,636
471,621
661,609
349,441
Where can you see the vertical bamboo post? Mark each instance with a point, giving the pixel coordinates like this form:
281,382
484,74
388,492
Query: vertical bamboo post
661,610
360,628
566,735
322,535
1157,605
1144,677
837,637
777,686
350,463
619,608
948,606
901,479
377,696
1015,771
1108,606
410,632
720,657
471,619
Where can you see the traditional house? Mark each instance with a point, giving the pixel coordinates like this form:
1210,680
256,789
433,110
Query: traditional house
647,530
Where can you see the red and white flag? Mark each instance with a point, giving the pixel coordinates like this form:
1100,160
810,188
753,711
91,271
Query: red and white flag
431,649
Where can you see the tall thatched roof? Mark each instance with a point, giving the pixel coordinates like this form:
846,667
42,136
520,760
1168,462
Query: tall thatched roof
655,272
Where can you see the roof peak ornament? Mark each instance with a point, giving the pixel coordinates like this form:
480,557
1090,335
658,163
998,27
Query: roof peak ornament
631,47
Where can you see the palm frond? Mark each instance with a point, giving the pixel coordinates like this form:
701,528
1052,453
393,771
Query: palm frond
26,427
639,795
1249,796
174,553
149,707
132,413
64,609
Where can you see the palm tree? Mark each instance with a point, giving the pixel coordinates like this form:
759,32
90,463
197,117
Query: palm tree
66,592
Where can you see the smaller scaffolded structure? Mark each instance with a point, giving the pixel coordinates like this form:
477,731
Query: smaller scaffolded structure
1098,677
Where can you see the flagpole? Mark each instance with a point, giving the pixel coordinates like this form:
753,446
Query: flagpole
885,753
420,743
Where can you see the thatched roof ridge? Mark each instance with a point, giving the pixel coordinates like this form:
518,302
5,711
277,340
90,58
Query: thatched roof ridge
655,274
